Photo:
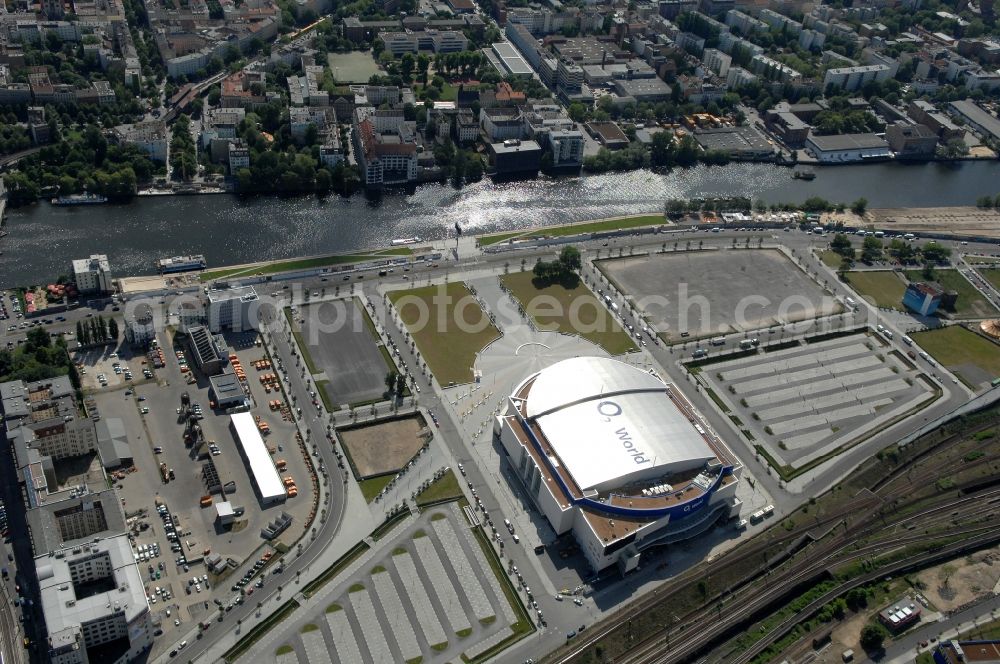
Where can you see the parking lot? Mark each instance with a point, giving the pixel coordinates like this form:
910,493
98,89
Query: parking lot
156,435
806,401
717,291
344,350
431,594
112,367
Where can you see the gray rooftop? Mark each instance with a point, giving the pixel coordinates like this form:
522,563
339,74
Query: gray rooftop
848,142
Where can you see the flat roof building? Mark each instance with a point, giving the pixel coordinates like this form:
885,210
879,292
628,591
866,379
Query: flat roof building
227,391
270,488
232,309
91,592
738,142
93,275
616,456
511,61
979,119
846,148
963,652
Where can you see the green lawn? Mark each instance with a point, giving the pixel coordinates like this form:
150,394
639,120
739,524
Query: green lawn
991,275
303,348
831,258
882,287
487,240
373,485
971,303
954,346
303,264
577,312
446,488
574,229
448,344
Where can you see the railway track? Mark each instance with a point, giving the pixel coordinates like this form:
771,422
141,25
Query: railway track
867,511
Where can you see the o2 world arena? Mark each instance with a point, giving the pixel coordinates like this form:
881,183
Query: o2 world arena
618,457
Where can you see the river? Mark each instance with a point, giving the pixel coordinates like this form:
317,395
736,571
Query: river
227,229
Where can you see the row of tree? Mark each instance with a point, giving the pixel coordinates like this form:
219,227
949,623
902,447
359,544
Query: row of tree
96,331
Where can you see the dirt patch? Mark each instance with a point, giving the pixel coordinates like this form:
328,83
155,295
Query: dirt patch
384,447
958,220
962,581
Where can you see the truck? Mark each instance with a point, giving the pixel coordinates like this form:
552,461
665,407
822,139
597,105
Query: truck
164,473
718,341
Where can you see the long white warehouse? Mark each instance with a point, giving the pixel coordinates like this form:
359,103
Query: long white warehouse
255,454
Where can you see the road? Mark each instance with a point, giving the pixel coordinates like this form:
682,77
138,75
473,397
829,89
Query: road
315,420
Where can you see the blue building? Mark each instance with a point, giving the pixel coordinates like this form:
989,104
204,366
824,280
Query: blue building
922,298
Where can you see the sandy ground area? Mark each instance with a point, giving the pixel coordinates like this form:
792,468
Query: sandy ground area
959,582
383,448
958,220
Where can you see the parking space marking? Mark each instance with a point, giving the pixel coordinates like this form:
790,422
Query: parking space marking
315,645
344,643
481,606
395,615
505,608
431,562
415,590
288,658
371,629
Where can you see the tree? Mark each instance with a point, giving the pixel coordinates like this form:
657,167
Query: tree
400,384
859,206
79,332
569,257
113,329
873,636
390,381
871,250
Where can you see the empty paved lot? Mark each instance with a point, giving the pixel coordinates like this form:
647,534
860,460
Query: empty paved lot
343,348
717,291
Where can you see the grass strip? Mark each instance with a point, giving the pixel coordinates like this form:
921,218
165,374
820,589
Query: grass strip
443,490
523,627
334,569
303,349
260,630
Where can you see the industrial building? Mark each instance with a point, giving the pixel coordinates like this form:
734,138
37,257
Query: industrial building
93,275
743,142
510,61
209,350
617,457
232,309
270,488
227,391
986,124
847,148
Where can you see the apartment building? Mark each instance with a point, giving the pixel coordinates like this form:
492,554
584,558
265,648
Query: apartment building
150,137
850,79
92,595
385,146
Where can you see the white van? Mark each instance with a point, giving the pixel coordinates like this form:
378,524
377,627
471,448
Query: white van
907,340
851,302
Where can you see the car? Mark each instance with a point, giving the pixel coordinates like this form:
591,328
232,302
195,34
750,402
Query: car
177,622
157,450
578,601
558,597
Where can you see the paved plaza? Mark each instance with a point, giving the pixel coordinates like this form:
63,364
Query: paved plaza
430,593
808,400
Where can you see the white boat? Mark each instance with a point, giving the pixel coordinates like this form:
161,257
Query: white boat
405,240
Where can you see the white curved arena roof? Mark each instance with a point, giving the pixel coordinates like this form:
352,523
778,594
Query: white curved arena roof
611,424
